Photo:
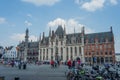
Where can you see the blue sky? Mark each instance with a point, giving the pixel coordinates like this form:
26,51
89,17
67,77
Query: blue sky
39,15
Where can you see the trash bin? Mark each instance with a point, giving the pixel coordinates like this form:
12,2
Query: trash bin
2,78
16,78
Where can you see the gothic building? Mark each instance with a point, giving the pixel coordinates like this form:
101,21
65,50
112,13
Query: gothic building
58,45
28,50
61,46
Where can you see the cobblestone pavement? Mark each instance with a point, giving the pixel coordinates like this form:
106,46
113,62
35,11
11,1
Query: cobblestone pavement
34,72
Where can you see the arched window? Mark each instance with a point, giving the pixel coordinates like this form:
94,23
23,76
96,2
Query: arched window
75,51
71,52
106,53
47,55
61,53
110,53
79,50
67,55
51,53
43,54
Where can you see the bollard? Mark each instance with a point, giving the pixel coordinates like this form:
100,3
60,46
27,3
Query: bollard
2,78
17,78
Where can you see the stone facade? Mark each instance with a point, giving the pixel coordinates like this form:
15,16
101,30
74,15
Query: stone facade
28,51
90,48
61,46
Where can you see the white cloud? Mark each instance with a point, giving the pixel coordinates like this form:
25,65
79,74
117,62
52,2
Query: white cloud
2,20
27,23
18,37
33,38
21,37
70,25
42,2
29,15
114,2
93,5
57,22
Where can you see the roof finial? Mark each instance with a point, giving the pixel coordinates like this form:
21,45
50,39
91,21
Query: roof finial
83,30
74,31
49,31
40,37
64,29
111,29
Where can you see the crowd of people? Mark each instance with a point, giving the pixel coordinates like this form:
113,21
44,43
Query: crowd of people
14,63
54,63
73,63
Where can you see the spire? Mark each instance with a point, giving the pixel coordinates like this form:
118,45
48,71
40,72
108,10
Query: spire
40,37
43,35
50,32
26,35
64,30
83,31
111,29
74,31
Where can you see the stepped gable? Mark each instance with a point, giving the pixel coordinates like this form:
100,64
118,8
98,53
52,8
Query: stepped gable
100,36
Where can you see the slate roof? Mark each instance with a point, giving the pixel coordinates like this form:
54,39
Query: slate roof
45,41
76,37
100,36
59,31
33,44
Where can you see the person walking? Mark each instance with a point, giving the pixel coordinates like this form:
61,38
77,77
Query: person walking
69,63
52,63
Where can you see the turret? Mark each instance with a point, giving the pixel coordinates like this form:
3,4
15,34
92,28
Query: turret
53,34
40,38
27,35
26,45
64,30
50,32
111,29
43,35
82,30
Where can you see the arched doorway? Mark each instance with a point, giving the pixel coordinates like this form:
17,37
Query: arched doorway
102,60
98,60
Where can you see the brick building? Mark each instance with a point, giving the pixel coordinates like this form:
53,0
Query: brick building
99,47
